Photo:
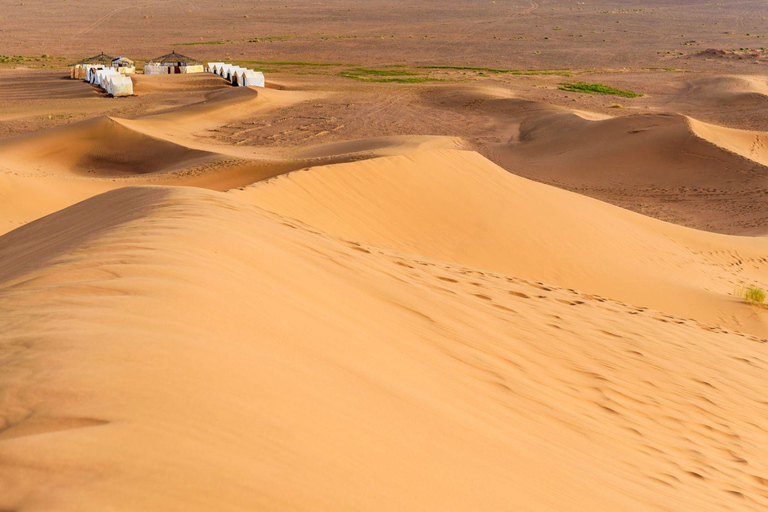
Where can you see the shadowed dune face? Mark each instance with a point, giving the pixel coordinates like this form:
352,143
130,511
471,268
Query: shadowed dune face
484,387
664,165
653,151
27,86
49,238
99,147
729,92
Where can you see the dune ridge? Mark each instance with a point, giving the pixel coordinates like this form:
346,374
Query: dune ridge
51,169
471,390
457,206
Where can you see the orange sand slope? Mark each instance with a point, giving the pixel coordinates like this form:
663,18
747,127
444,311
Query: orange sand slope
457,206
394,335
45,171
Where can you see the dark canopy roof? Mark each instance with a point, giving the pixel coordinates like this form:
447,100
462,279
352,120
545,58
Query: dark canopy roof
124,60
174,59
101,58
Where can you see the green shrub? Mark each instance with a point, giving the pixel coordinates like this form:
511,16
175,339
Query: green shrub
753,294
598,89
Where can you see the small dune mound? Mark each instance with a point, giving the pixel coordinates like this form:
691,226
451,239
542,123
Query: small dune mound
637,150
728,91
381,146
664,165
97,147
493,101
748,144
217,103
29,85
150,84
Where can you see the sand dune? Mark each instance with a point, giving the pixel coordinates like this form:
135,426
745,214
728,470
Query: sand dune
729,91
48,170
458,207
666,165
413,272
380,324
638,150
409,383
748,144
657,164
382,146
97,147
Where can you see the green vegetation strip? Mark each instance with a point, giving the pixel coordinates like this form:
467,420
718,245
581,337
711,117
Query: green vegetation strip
380,72
598,89
32,60
386,75
296,63
519,72
195,43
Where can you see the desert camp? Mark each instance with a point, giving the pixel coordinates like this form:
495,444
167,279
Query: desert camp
101,61
111,73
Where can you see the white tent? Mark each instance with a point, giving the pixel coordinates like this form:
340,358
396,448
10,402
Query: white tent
213,67
90,73
238,76
228,71
119,85
102,74
223,69
253,79
97,77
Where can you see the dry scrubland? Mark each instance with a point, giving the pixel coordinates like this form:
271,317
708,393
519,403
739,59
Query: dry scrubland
514,33
459,256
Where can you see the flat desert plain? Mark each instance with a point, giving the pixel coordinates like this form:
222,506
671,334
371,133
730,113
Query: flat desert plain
478,255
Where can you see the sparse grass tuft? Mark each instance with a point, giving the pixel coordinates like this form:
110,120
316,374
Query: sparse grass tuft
269,39
380,72
753,294
598,89
504,71
386,75
296,63
195,43
388,78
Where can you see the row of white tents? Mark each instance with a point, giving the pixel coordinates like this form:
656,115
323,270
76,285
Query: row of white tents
109,79
238,76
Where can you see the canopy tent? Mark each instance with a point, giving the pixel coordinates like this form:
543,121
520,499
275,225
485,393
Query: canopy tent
101,59
173,63
80,69
124,65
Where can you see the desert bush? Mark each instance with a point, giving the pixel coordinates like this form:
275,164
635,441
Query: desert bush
753,294
598,89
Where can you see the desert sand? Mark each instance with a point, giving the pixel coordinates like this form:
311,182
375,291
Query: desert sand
469,291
